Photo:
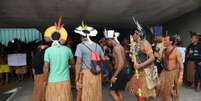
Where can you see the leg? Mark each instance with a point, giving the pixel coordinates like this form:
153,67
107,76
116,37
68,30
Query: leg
7,76
197,76
1,79
176,96
78,95
120,96
164,97
18,78
22,77
114,95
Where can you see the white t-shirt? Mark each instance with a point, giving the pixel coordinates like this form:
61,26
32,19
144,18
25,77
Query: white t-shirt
182,51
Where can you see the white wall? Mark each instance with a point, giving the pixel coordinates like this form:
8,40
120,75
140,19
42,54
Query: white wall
183,25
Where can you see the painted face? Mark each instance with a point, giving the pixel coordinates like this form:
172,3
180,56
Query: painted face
167,41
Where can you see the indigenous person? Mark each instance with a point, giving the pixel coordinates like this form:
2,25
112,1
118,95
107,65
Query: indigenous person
39,87
195,57
88,83
107,66
119,78
190,66
143,59
56,65
171,77
4,68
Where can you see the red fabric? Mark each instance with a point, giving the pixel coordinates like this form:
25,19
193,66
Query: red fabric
138,86
95,56
140,98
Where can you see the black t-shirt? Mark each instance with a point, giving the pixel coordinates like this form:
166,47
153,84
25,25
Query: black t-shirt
195,52
38,62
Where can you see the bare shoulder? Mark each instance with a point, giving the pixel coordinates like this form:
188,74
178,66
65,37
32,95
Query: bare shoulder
118,48
146,43
177,52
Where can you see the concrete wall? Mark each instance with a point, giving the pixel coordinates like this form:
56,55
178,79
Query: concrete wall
184,24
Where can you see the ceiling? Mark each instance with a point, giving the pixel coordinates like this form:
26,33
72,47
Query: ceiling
99,13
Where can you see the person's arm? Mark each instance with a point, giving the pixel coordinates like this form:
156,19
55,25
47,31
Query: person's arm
78,68
46,66
46,71
181,67
149,61
71,60
78,75
102,55
149,52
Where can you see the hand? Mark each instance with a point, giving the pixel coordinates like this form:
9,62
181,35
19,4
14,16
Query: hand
45,83
157,55
113,79
78,85
137,66
45,78
180,81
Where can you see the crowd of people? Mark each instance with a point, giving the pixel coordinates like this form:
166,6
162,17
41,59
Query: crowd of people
147,71
9,67
159,68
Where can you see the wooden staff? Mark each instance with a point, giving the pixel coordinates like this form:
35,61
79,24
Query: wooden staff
134,55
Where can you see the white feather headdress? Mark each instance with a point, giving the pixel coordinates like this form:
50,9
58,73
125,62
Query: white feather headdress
111,34
85,30
139,27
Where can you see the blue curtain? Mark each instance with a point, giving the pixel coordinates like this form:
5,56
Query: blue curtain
23,34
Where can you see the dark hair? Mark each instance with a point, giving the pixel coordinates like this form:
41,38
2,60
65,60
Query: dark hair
56,36
178,43
172,38
194,34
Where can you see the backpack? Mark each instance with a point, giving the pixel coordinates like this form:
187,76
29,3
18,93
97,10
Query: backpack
96,63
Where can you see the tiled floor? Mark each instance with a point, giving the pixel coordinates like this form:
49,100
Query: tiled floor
25,93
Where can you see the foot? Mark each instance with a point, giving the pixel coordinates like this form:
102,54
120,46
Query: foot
197,88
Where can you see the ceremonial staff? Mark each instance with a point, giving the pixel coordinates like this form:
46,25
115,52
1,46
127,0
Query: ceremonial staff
133,56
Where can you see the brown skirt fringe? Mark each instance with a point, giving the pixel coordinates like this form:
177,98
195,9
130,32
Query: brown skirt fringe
39,88
145,91
168,85
60,91
91,87
190,71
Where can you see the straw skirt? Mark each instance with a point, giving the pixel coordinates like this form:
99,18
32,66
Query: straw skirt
39,88
59,91
91,87
145,91
168,84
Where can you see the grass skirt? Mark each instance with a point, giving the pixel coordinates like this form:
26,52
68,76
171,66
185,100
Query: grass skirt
91,87
59,91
